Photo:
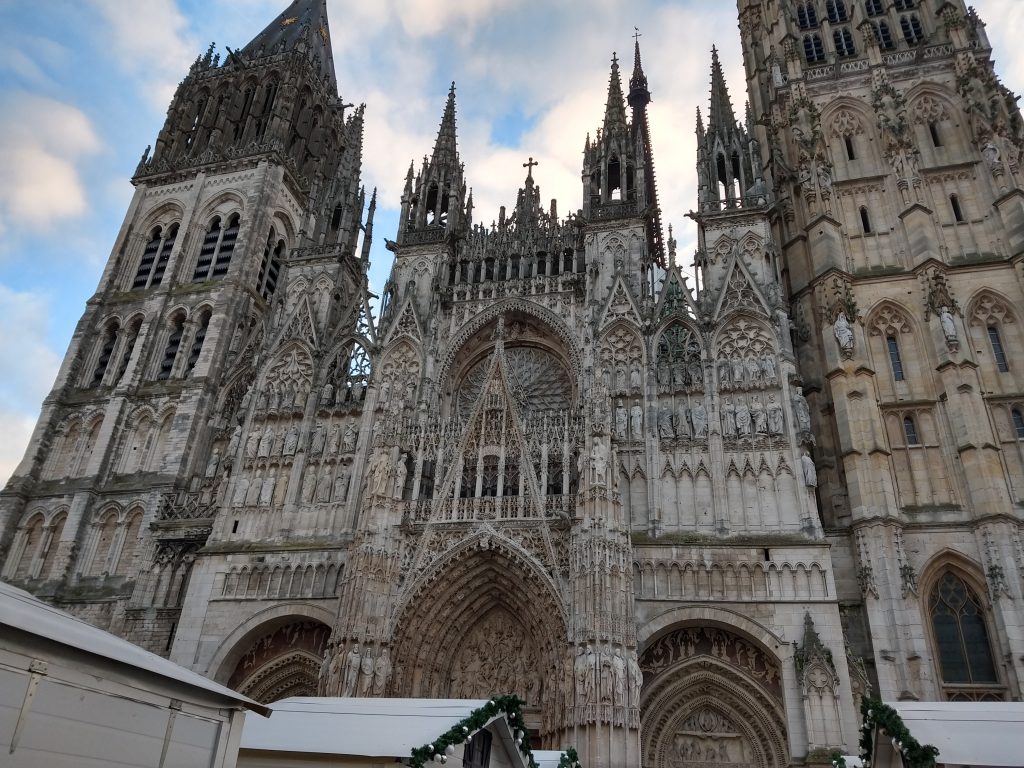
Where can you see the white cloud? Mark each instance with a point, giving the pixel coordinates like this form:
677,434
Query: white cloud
42,143
29,364
152,42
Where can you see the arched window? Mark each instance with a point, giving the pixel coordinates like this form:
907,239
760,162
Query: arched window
910,430
106,350
874,7
33,537
865,220
171,350
954,203
614,179
904,5
806,16
884,35
128,348
270,267
1018,423
961,636
894,358
851,153
215,253
843,40
933,131
836,10
197,343
129,544
104,541
997,349
814,51
913,33
155,257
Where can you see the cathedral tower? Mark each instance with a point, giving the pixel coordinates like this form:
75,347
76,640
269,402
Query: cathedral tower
893,154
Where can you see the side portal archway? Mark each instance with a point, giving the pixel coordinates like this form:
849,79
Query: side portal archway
283,659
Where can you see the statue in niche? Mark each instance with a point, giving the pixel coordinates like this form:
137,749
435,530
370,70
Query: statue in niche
252,497
309,486
699,416
281,491
366,666
334,440
606,378
316,443
737,373
357,396
636,679
352,661
619,677
278,447
266,441
775,417
380,474
844,333
636,421
769,372
236,438
728,418
324,675
291,440
634,378
682,421
327,394
241,491
620,380
384,394
348,444
267,491
801,411
759,416
753,371
948,324
742,419
696,374
401,473
604,662
665,422
381,673
213,464
340,486
324,486
599,462
810,473
410,392
725,374
252,444
621,421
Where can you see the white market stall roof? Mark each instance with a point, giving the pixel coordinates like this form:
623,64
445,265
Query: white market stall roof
967,733
547,758
364,727
21,611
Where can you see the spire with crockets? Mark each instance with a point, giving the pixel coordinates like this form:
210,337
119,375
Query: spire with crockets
301,27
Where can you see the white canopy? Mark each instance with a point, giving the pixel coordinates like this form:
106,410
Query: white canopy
354,726
547,758
21,611
968,733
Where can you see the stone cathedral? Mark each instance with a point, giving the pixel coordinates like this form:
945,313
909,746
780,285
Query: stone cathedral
689,520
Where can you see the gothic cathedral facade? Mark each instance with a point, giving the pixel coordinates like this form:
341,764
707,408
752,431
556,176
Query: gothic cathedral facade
686,523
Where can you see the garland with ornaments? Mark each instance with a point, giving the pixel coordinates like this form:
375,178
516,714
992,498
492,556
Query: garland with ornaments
888,723
444,745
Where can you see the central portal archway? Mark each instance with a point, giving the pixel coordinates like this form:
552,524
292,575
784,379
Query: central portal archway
711,696
485,622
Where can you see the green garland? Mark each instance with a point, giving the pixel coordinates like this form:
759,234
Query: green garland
888,722
510,706
569,759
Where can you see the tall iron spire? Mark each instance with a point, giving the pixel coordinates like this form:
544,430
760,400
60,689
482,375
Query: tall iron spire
720,117
302,26
638,93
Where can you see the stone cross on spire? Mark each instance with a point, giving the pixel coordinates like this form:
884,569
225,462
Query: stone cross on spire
529,167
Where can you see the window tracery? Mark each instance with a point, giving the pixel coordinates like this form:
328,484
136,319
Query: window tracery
679,363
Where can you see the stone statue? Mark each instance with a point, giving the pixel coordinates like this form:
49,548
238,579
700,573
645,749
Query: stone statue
323,676
334,440
843,333
636,680
381,673
737,372
699,416
753,371
308,486
348,443
316,443
634,379
352,661
665,422
636,421
742,419
758,416
590,664
327,394
401,473
599,462
620,380
682,421
604,664
213,464
357,396
334,679
810,473
619,677
291,440
236,438
340,486
724,374
728,418
768,370
241,491
252,444
947,323
621,420
581,674
381,471
323,487
801,411
775,418
266,441
267,490
252,497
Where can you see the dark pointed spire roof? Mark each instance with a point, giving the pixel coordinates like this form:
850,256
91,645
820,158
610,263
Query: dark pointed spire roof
302,26
720,117
615,109
638,91
446,149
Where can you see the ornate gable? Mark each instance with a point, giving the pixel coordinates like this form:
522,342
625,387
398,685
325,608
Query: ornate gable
740,293
620,305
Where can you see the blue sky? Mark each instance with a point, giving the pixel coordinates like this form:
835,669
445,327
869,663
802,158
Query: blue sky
84,86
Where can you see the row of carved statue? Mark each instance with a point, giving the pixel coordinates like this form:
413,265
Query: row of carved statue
270,442
354,673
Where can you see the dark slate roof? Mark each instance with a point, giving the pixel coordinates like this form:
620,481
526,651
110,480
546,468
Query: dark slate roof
302,26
